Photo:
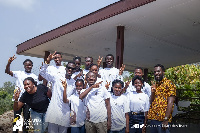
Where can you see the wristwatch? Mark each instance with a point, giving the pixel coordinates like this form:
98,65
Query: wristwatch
166,119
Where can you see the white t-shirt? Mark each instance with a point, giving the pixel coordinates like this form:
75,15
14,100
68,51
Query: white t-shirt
76,73
138,102
95,103
78,106
58,112
146,89
109,75
20,76
85,72
57,70
119,106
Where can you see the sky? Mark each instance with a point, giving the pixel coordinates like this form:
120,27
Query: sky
21,20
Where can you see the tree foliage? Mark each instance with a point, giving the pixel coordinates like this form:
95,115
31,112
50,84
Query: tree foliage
6,94
185,76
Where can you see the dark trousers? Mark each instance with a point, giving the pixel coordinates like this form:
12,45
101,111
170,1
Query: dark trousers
26,115
136,122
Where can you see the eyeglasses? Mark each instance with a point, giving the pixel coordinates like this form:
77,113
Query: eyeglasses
71,68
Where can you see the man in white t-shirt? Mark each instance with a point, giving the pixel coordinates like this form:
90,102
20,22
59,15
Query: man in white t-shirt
110,73
97,101
58,69
20,76
146,88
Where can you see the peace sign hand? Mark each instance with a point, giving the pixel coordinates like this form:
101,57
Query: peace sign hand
16,93
121,70
99,61
96,85
64,84
80,74
153,86
107,85
126,86
85,82
11,59
127,83
50,57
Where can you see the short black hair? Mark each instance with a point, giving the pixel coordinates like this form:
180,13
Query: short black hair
58,53
89,57
70,62
91,72
160,65
137,77
118,81
77,57
93,65
28,60
79,80
109,55
139,68
32,80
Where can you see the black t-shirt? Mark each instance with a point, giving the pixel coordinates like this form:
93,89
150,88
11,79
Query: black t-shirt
38,101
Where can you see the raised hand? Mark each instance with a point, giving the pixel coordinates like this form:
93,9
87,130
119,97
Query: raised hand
99,61
96,85
121,70
72,118
107,85
126,86
85,82
16,93
127,83
153,86
50,57
11,59
80,74
64,84
41,66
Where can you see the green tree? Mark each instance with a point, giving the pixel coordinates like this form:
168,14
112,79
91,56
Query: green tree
6,94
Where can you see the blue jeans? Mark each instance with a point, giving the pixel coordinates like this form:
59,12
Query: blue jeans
156,127
38,120
121,131
78,129
136,122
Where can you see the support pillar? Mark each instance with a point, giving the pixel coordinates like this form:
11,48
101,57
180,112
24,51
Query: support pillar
119,47
46,54
145,74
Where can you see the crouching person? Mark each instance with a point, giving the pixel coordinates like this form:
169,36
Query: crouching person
37,97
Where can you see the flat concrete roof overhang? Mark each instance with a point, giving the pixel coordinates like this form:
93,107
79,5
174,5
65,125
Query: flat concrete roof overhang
161,31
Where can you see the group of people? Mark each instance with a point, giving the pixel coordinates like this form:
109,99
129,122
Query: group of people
93,100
